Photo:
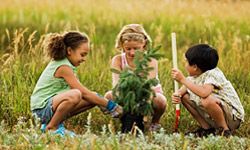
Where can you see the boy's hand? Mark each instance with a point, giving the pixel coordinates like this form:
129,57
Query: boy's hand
177,75
176,98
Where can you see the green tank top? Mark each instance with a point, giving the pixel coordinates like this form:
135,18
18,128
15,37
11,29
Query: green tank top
48,85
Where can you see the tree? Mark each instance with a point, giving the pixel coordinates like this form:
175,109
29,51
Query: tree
134,90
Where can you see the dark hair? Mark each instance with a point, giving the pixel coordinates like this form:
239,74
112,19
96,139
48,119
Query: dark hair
57,44
202,55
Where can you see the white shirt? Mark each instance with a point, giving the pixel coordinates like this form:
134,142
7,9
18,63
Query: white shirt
223,90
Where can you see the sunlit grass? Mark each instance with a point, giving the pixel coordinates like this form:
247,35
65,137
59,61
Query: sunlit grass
23,25
26,135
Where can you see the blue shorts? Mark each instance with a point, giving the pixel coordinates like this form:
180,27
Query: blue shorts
44,114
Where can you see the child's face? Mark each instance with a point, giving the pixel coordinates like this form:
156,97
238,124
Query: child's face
130,47
78,55
191,69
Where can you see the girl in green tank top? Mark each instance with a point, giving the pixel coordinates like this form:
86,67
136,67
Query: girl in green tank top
58,93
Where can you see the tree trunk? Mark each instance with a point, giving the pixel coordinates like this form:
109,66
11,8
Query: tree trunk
128,120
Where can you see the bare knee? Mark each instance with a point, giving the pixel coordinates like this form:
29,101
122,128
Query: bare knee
185,98
160,101
208,102
75,96
109,95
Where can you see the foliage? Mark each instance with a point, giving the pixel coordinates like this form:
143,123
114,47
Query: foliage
26,135
134,90
23,24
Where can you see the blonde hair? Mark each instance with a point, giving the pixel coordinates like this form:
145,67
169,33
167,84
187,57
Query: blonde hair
132,32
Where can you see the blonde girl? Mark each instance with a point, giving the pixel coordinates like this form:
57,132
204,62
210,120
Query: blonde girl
131,38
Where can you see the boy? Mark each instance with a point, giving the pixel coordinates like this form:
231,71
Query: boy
207,94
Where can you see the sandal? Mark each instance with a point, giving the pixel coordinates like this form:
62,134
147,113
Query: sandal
155,127
225,133
201,132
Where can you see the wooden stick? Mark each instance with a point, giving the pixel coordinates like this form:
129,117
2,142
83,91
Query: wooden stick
176,86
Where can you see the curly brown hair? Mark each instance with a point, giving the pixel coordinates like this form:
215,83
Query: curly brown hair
57,44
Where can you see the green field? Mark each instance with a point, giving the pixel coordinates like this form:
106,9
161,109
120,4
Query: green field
224,24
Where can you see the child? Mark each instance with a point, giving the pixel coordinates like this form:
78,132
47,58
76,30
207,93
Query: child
207,94
58,93
133,37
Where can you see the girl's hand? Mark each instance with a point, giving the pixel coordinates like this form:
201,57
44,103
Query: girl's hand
177,75
176,98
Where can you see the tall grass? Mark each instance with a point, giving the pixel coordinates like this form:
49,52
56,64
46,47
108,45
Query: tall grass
23,25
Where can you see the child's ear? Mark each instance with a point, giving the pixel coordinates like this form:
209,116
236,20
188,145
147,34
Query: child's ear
195,67
69,50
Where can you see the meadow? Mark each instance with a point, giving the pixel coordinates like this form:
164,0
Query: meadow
24,24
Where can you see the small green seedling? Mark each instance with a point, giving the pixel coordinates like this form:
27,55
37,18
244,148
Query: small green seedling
134,89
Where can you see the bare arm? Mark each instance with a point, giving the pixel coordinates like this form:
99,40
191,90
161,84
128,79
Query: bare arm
116,64
182,91
67,73
200,90
153,73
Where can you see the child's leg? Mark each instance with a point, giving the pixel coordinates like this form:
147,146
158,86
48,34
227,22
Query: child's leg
188,104
213,108
232,121
80,107
62,105
159,107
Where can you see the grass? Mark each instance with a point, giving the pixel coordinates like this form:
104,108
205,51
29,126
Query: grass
26,135
23,25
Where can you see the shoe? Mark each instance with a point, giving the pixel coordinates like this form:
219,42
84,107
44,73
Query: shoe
59,131
155,127
116,112
43,127
225,133
66,132
201,132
